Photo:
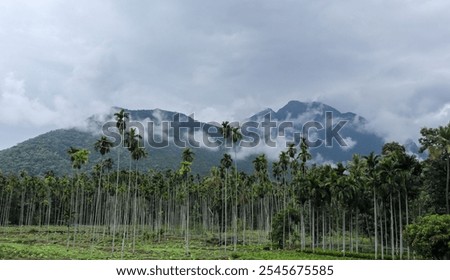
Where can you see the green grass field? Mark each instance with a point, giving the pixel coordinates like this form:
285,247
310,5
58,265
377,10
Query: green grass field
34,243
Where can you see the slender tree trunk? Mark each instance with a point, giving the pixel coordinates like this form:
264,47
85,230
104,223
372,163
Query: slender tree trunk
343,231
126,213
407,219
330,232
116,200
69,218
135,208
447,198
400,225
235,202
226,210
252,210
187,218
313,236
351,231
302,227
381,231
375,222
97,207
392,226
284,212
310,223
386,235
244,223
22,207
323,229
77,209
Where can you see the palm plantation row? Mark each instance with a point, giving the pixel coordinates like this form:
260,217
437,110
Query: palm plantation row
361,206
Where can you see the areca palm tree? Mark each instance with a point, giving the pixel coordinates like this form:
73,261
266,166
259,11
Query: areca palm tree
72,151
226,163
358,179
292,152
79,157
121,123
213,184
261,189
343,192
133,144
260,164
389,170
410,172
300,177
284,164
185,169
304,155
103,146
372,161
236,136
227,134
121,120
226,131
136,154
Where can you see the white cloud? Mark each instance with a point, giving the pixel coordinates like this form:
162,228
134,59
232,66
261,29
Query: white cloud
18,108
385,60
350,144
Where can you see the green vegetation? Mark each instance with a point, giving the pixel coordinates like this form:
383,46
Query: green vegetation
430,237
358,209
42,243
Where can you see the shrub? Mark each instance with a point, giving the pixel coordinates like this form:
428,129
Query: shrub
430,237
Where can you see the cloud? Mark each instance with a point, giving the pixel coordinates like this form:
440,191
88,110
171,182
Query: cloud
18,108
320,160
350,144
385,60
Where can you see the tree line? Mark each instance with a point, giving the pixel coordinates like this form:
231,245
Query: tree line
363,205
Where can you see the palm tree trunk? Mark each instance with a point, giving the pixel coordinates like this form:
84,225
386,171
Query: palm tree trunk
284,209
187,217
407,219
226,210
447,198
235,201
392,226
381,231
22,207
375,222
126,213
77,212
97,206
313,236
310,223
135,208
357,230
115,201
343,231
351,231
302,227
323,229
400,225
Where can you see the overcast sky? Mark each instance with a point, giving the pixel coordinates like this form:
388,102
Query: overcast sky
61,61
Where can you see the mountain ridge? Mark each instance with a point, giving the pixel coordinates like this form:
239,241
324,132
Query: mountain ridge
48,151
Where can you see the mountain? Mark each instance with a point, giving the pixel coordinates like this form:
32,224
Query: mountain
49,151
356,139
